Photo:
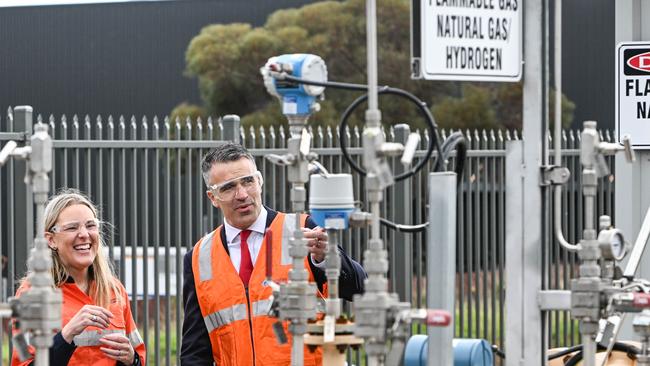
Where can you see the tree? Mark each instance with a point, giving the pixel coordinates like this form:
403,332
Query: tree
226,60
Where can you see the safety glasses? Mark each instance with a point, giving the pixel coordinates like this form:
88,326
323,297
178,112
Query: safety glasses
226,191
74,227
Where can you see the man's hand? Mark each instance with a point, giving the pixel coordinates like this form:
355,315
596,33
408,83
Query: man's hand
316,242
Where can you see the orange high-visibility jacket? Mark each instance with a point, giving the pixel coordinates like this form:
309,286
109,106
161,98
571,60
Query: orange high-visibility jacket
87,351
237,319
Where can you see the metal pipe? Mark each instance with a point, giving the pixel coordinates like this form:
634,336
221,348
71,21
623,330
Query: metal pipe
41,294
557,138
297,350
589,216
588,350
42,357
441,268
332,270
557,217
557,73
373,361
375,223
297,325
371,40
298,309
590,272
298,264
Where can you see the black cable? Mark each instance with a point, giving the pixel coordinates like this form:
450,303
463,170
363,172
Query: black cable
455,141
630,350
424,111
497,351
565,352
404,228
432,128
333,84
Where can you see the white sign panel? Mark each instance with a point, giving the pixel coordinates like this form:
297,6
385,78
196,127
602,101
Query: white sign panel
476,40
633,93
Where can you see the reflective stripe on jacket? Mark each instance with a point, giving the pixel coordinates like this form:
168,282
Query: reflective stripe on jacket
229,315
87,343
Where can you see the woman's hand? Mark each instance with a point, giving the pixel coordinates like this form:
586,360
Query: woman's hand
119,348
89,315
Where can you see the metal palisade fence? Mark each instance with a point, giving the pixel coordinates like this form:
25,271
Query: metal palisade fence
145,176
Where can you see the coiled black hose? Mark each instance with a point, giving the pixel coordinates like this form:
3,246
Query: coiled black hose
455,141
432,128
630,350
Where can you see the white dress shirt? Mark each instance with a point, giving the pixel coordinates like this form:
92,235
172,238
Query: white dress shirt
254,241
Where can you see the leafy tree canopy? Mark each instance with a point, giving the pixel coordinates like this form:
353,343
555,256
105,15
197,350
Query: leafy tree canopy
226,60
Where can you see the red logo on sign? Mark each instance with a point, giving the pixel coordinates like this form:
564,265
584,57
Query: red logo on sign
640,62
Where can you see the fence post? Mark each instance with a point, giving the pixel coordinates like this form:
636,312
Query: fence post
23,197
403,255
231,128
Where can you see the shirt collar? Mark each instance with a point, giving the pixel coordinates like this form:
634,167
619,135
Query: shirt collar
259,226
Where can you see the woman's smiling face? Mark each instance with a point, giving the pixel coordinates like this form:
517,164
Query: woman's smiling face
75,237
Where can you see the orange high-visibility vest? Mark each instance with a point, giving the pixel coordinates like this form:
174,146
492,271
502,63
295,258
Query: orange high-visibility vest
87,351
240,329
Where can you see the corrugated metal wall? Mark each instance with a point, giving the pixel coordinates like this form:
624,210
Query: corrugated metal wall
588,63
125,58
128,58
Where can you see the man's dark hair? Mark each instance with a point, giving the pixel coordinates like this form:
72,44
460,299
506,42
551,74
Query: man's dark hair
225,153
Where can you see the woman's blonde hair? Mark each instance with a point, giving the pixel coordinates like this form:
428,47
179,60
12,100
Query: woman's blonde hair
101,270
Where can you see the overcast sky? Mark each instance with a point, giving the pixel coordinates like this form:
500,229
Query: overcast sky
5,3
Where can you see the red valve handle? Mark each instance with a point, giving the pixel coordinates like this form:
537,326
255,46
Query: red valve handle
641,300
438,318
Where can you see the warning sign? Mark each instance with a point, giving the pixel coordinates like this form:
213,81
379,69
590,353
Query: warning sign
478,40
633,93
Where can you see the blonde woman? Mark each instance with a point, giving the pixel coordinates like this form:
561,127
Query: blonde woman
98,328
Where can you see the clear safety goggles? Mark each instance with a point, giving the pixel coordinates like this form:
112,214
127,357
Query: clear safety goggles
91,226
226,191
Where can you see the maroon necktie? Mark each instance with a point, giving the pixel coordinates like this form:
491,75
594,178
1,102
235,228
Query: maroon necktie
246,264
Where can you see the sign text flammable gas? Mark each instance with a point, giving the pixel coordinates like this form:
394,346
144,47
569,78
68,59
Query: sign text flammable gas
639,88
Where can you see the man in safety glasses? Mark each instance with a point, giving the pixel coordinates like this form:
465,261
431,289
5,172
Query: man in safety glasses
225,294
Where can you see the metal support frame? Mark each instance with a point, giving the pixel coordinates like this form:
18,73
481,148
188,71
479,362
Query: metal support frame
297,301
23,194
524,247
403,254
441,268
372,308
